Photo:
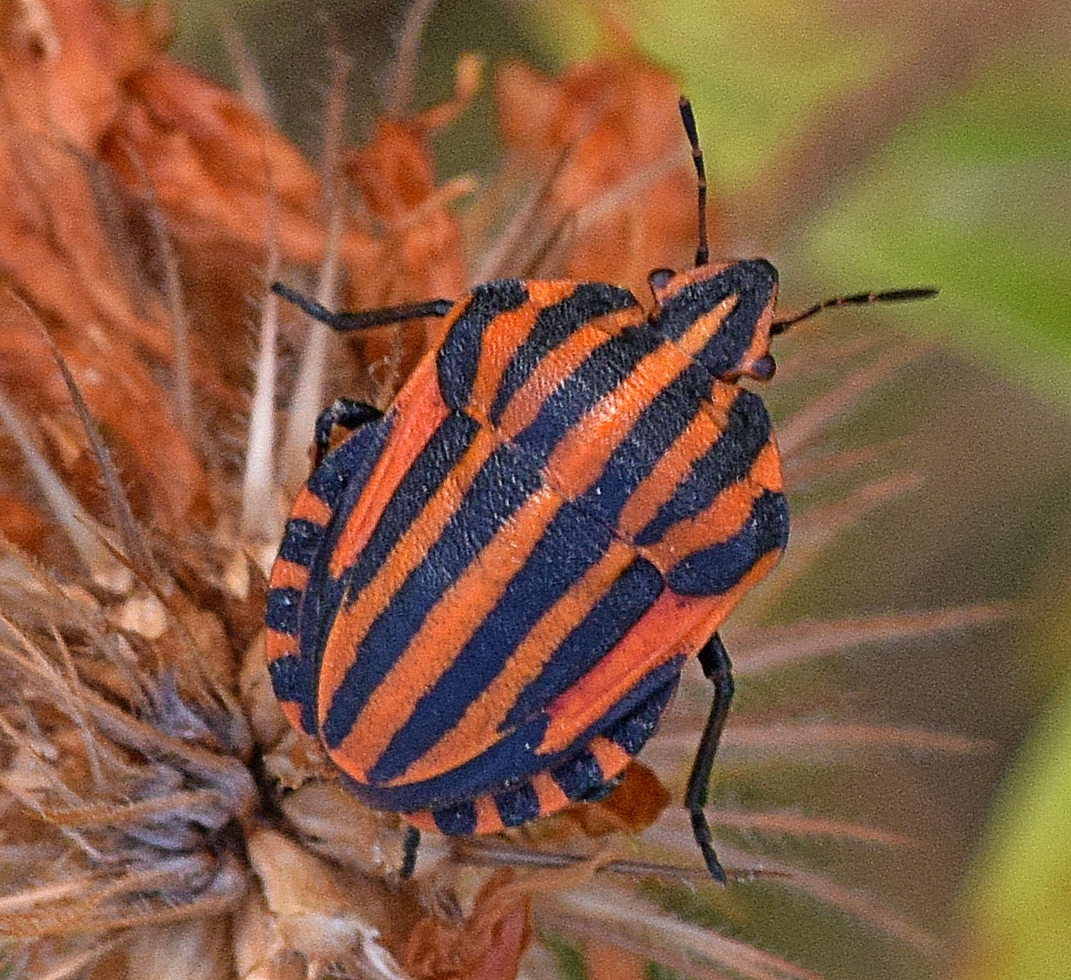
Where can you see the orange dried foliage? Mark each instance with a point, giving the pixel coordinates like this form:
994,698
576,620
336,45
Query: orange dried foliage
106,140
634,805
23,525
395,176
611,128
418,254
606,962
61,76
226,183
216,168
486,945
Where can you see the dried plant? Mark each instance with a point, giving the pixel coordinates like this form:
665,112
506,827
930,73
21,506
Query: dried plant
160,819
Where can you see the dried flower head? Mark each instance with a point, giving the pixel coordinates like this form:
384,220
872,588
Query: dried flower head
160,819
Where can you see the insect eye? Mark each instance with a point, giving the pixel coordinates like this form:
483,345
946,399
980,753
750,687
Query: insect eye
764,368
659,278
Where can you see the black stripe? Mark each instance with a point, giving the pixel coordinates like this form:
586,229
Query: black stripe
459,354
729,459
715,570
301,539
751,281
632,732
283,610
603,370
658,426
421,481
579,775
627,599
337,481
553,326
570,544
457,819
518,805
347,466
288,679
503,483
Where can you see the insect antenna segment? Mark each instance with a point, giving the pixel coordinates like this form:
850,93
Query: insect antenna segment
858,299
702,252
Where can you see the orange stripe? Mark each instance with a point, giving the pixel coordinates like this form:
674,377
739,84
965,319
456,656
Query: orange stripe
278,645
695,338
288,575
561,362
352,622
309,507
613,323
579,459
658,486
612,759
722,519
420,410
766,470
443,634
551,371
505,333
292,711
688,276
550,795
422,820
707,325
479,727
487,819
760,341
640,651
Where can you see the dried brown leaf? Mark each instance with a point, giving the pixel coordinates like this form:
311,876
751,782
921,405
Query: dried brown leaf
486,945
609,131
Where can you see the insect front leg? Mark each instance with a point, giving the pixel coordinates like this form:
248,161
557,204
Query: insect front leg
346,412
714,660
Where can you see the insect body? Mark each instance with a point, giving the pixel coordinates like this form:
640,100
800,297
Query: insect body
484,596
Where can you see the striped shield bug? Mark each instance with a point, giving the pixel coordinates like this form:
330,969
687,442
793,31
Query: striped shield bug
485,594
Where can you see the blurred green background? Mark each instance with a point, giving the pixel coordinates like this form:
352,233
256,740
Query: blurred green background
860,145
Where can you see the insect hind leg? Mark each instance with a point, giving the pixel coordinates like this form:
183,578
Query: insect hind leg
714,659
410,846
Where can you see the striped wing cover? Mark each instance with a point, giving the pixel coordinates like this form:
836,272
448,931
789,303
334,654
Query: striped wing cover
501,578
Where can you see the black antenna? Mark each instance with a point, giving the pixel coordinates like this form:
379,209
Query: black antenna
859,299
702,253
364,318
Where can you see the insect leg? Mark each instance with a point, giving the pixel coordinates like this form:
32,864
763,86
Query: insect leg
346,412
714,660
409,852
